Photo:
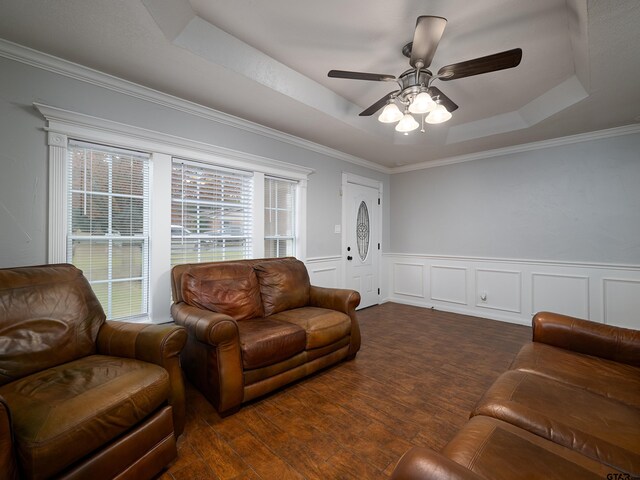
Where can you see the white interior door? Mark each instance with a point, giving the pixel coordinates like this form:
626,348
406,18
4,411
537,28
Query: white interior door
362,237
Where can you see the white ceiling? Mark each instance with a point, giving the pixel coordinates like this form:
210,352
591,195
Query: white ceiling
267,62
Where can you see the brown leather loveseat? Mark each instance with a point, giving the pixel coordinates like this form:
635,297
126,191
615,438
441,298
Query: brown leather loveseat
569,407
81,397
256,325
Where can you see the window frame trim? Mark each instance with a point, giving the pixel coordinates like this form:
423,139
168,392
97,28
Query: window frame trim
63,124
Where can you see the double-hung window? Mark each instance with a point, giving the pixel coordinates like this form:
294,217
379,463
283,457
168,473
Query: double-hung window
125,217
211,213
108,225
279,217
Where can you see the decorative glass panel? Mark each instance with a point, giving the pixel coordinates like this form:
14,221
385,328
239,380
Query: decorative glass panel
362,231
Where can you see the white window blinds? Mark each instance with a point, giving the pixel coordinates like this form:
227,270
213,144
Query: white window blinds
279,217
211,213
108,225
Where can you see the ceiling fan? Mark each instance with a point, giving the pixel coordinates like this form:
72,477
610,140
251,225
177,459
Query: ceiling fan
416,94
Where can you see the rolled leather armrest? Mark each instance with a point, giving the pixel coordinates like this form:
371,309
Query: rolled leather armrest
591,338
212,357
8,465
208,327
339,299
158,344
342,300
424,463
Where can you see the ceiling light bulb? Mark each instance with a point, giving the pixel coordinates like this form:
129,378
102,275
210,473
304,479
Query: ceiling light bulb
407,124
423,103
391,113
438,115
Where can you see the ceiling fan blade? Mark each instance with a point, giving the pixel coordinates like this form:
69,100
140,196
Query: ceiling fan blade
378,105
490,63
376,77
426,38
444,100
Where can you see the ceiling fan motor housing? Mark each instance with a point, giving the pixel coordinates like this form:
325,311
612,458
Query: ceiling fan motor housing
411,85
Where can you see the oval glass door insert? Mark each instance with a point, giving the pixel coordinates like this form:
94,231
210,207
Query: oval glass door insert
362,231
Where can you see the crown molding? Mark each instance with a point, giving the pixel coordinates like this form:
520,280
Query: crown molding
34,58
525,147
44,61
86,127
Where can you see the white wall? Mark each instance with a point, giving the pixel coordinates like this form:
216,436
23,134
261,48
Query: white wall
23,157
552,229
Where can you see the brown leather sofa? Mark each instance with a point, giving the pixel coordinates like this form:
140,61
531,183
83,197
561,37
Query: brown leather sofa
569,407
256,325
81,397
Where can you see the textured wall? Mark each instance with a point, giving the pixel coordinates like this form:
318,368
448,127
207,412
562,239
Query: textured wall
578,202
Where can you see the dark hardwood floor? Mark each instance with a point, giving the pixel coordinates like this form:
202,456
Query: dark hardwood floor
415,380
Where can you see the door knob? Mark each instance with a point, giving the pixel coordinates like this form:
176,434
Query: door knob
349,257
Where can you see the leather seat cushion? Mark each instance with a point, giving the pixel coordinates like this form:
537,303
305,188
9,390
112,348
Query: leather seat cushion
66,412
228,288
605,377
264,341
284,284
596,426
497,450
323,326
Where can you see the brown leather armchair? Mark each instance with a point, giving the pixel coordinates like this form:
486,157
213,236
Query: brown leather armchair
81,397
256,325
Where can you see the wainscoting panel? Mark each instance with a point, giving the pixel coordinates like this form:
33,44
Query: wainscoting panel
514,289
408,279
449,284
325,271
499,290
566,294
621,302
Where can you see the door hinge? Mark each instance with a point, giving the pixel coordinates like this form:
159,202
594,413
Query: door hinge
378,291
378,201
378,246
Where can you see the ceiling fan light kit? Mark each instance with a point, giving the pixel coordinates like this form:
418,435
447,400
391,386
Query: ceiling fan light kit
407,123
438,115
416,94
390,113
422,103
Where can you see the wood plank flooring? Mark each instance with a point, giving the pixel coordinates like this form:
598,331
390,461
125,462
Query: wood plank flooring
415,380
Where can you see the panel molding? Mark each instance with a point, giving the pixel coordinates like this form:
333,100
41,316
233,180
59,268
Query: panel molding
586,303
591,293
606,304
464,299
420,276
325,271
517,273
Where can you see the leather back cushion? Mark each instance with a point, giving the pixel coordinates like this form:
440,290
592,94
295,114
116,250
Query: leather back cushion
229,288
48,316
284,284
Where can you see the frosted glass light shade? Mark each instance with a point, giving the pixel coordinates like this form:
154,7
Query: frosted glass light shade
407,124
438,115
423,103
390,113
